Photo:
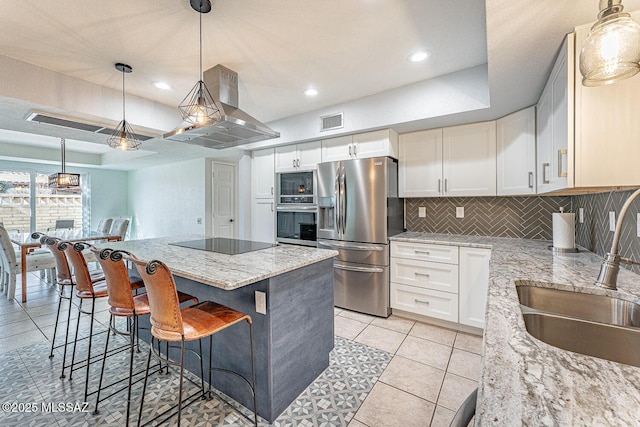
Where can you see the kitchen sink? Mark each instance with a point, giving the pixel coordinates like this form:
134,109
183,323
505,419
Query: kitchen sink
594,325
596,308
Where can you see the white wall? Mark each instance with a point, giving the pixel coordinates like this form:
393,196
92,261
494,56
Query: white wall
167,200
108,188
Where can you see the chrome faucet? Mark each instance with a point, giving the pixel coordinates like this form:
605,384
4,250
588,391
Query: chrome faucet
608,276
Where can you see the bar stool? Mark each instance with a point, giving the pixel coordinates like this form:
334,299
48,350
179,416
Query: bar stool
123,304
65,280
86,288
171,323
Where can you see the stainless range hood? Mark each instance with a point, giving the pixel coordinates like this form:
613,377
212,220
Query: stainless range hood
235,128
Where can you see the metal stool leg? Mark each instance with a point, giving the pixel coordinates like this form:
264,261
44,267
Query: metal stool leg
134,329
144,386
55,328
104,360
253,377
75,343
86,380
181,378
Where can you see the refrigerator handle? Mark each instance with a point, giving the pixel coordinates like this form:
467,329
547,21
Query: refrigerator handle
339,266
336,197
343,201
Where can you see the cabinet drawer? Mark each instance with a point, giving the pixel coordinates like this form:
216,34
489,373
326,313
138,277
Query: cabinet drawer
441,305
424,274
426,252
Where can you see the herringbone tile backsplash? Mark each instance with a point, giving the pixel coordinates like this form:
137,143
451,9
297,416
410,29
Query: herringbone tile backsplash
519,217
594,233
530,218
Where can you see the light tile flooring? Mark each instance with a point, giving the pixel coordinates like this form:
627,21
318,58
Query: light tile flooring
431,372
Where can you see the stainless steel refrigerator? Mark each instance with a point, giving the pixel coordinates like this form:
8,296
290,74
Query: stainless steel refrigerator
358,209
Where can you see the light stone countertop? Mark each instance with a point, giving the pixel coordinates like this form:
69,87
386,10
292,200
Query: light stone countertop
526,381
227,272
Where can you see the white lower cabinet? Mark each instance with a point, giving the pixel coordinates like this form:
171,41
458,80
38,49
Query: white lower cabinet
441,281
474,280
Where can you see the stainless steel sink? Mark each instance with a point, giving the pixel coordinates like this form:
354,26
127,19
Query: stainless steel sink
594,325
596,308
610,342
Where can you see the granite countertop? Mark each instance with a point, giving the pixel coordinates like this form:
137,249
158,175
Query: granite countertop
220,270
526,381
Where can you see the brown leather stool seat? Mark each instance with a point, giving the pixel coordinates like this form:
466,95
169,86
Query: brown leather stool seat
123,303
170,323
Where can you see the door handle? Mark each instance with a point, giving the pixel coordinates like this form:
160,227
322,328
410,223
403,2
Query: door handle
545,166
231,220
338,266
561,153
530,179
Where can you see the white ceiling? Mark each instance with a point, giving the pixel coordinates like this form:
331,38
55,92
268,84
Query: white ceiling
345,49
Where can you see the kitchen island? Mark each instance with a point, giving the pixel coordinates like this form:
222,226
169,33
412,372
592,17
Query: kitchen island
294,336
525,381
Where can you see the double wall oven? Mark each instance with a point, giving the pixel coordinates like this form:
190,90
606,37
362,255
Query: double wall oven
297,209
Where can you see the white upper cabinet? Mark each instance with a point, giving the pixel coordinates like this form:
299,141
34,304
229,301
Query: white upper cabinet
454,161
263,174
516,153
291,158
555,124
420,164
469,160
607,128
363,145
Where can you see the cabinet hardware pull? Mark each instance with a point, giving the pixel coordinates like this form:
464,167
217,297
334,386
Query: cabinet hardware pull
355,152
349,150
530,179
560,154
544,173
421,252
272,191
421,301
272,207
294,163
421,274
298,163
439,190
445,185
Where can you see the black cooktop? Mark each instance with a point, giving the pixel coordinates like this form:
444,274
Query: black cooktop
224,246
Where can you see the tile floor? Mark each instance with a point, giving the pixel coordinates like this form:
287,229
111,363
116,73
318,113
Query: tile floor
430,373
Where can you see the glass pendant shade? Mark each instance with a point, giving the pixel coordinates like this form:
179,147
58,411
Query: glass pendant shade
123,137
611,51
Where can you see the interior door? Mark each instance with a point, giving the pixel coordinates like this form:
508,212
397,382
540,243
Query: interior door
224,200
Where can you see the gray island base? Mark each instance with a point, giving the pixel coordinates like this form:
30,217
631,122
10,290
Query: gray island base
292,341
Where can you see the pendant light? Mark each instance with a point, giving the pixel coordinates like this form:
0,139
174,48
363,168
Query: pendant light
611,51
64,179
123,137
198,107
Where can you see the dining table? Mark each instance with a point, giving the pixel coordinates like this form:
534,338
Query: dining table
29,242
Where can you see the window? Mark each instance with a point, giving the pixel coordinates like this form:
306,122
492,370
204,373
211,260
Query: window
28,204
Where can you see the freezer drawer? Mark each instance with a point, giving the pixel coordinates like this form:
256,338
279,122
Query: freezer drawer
361,253
428,275
424,251
363,288
441,305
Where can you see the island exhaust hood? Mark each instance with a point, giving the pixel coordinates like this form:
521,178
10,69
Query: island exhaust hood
234,128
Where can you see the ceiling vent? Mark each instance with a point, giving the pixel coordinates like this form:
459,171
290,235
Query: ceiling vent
71,123
332,121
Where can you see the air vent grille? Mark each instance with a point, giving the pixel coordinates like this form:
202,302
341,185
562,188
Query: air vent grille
332,121
71,123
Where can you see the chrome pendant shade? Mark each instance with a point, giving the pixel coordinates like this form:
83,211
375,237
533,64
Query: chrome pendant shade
123,137
199,107
611,51
63,179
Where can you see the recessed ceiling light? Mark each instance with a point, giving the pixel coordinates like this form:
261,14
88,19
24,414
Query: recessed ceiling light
418,56
162,85
310,92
